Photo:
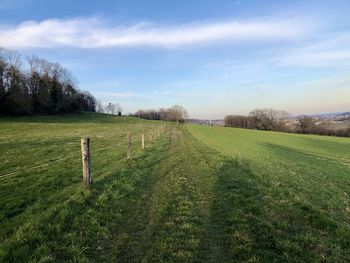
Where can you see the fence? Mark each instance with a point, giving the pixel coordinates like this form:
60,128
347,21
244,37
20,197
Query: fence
85,152
86,155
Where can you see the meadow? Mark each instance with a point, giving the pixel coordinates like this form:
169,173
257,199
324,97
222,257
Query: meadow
289,200
196,194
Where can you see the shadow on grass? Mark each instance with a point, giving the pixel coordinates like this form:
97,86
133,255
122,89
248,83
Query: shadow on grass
254,222
238,213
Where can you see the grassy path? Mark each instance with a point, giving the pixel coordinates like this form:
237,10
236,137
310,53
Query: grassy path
169,217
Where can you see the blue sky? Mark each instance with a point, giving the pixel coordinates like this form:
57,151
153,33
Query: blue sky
213,57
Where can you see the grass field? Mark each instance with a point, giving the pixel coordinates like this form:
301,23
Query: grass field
197,194
289,198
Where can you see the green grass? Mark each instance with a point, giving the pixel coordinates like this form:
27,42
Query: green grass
198,194
282,197
41,172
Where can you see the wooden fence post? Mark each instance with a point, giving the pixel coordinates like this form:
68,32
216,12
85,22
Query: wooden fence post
142,141
128,150
85,156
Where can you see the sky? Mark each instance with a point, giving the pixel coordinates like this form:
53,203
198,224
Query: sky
213,57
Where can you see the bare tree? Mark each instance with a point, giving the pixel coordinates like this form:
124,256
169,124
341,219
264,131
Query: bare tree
269,119
180,113
44,87
283,115
110,108
176,113
3,66
263,118
13,93
306,123
118,109
279,120
99,106
239,121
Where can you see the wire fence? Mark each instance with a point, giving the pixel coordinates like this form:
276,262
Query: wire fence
98,147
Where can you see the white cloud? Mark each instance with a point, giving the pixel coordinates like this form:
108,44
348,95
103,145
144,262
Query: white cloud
319,58
328,50
95,33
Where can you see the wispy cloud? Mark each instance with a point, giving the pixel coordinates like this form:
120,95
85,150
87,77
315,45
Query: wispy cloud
95,33
319,58
330,49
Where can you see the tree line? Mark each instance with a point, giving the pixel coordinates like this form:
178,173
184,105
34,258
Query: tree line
279,120
109,108
175,113
41,87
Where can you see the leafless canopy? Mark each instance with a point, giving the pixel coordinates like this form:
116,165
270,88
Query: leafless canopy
175,113
40,87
